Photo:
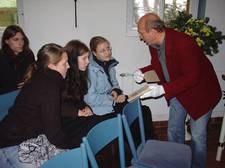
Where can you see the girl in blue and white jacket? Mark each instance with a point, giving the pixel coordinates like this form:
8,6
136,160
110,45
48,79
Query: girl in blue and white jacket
103,92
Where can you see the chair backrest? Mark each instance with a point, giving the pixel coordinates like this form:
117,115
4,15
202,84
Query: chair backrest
70,159
6,101
133,111
102,134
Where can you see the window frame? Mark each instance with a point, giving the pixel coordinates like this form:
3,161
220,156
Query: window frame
20,16
131,31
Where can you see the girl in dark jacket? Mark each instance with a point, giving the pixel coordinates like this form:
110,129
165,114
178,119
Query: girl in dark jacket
15,57
77,115
76,79
37,108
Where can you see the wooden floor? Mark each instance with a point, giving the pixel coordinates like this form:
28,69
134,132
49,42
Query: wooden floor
108,161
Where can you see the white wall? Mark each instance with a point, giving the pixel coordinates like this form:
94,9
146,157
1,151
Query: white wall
53,21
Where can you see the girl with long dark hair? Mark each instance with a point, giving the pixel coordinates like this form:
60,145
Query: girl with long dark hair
15,57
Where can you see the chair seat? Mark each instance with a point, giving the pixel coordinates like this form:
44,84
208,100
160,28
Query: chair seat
2,115
6,101
155,155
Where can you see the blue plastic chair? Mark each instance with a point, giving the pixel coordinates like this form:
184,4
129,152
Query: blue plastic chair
6,101
153,153
70,159
102,134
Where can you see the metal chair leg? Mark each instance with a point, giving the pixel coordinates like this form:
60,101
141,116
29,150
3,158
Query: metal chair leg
187,133
221,141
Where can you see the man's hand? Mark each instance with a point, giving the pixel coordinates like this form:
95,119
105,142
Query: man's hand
155,91
138,76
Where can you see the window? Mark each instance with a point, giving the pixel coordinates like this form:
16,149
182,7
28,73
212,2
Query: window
10,13
166,9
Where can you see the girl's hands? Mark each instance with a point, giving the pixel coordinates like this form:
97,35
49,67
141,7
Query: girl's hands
120,99
85,112
114,95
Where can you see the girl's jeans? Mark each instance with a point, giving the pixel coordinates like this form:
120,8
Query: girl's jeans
9,158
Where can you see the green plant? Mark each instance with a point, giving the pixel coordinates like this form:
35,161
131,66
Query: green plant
207,36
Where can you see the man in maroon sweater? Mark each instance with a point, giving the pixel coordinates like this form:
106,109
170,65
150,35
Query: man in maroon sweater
187,80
